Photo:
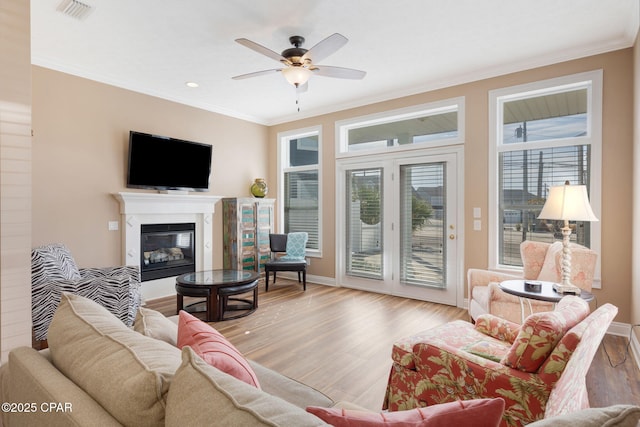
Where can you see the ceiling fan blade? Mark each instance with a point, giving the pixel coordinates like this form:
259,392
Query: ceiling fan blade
326,47
338,72
261,49
256,74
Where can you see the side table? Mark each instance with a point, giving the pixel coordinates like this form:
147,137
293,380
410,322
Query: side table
517,288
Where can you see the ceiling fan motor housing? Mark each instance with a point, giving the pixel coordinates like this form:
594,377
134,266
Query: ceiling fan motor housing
294,54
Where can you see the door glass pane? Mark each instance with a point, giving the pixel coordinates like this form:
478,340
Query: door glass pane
364,223
422,219
552,116
301,204
525,178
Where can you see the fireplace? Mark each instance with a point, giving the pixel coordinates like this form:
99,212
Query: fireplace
142,208
167,250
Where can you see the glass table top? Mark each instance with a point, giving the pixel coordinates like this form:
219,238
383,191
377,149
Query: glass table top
217,277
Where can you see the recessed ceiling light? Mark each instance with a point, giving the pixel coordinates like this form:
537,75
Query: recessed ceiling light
192,84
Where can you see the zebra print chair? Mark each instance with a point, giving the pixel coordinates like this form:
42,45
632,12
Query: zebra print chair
53,271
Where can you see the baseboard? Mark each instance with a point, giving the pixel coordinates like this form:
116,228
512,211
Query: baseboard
319,280
619,329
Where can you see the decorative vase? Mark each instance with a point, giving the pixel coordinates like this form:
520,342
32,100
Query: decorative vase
259,188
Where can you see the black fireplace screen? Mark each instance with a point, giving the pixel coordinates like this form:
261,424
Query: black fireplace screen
167,250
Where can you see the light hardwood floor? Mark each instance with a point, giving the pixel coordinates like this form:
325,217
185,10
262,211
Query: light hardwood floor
339,340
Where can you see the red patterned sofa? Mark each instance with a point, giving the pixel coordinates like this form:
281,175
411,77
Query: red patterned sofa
539,368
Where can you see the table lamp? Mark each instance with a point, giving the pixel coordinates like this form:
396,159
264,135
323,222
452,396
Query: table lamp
569,203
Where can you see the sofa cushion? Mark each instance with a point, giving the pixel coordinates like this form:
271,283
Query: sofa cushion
214,348
201,393
488,349
549,271
155,325
28,376
458,334
611,416
497,327
288,389
481,295
541,332
126,372
479,413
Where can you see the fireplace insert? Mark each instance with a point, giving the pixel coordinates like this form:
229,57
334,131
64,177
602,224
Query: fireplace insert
167,250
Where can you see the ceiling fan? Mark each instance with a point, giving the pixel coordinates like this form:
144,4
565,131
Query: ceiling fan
299,65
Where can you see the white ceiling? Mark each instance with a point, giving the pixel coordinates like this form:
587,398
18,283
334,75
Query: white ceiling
406,46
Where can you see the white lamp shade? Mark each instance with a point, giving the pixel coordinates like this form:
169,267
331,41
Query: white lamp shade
296,75
568,202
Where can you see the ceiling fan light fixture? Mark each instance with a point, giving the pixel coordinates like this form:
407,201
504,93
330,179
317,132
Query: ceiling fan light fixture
296,75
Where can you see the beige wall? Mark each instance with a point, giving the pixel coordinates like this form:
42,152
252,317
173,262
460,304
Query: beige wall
80,144
616,163
15,176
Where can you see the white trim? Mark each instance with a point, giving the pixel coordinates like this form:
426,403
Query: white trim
151,208
389,161
283,158
342,127
625,330
635,349
595,139
317,280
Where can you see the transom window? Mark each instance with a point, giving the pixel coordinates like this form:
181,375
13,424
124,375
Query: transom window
545,134
410,128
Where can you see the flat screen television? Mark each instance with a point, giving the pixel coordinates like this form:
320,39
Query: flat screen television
164,163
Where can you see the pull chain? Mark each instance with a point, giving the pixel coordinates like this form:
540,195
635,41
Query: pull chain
297,98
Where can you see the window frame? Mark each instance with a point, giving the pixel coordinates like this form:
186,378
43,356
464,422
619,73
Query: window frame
283,139
592,80
342,127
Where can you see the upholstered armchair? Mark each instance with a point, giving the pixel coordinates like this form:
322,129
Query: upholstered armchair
541,261
539,368
53,271
294,247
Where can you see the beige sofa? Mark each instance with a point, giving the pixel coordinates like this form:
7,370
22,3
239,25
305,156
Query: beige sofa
98,372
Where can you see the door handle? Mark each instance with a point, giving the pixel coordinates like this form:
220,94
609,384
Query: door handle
452,236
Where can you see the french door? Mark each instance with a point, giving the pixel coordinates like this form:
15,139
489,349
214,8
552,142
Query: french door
398,229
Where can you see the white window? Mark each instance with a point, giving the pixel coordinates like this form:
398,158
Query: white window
418,127
299,192
541,135
399,176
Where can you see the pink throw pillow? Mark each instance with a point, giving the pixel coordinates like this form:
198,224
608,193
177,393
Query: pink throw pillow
541,332
477,413
214,348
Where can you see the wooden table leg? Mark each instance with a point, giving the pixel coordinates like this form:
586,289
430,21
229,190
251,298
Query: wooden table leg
212,306
179,303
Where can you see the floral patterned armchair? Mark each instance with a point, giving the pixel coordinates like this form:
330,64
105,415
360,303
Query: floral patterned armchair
539,368
542,261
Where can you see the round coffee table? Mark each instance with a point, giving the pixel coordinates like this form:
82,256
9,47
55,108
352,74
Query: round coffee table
216,286
546,293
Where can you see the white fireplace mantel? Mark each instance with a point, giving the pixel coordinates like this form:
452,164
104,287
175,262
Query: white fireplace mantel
150,208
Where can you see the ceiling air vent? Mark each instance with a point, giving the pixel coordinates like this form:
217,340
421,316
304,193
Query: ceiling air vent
75,9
